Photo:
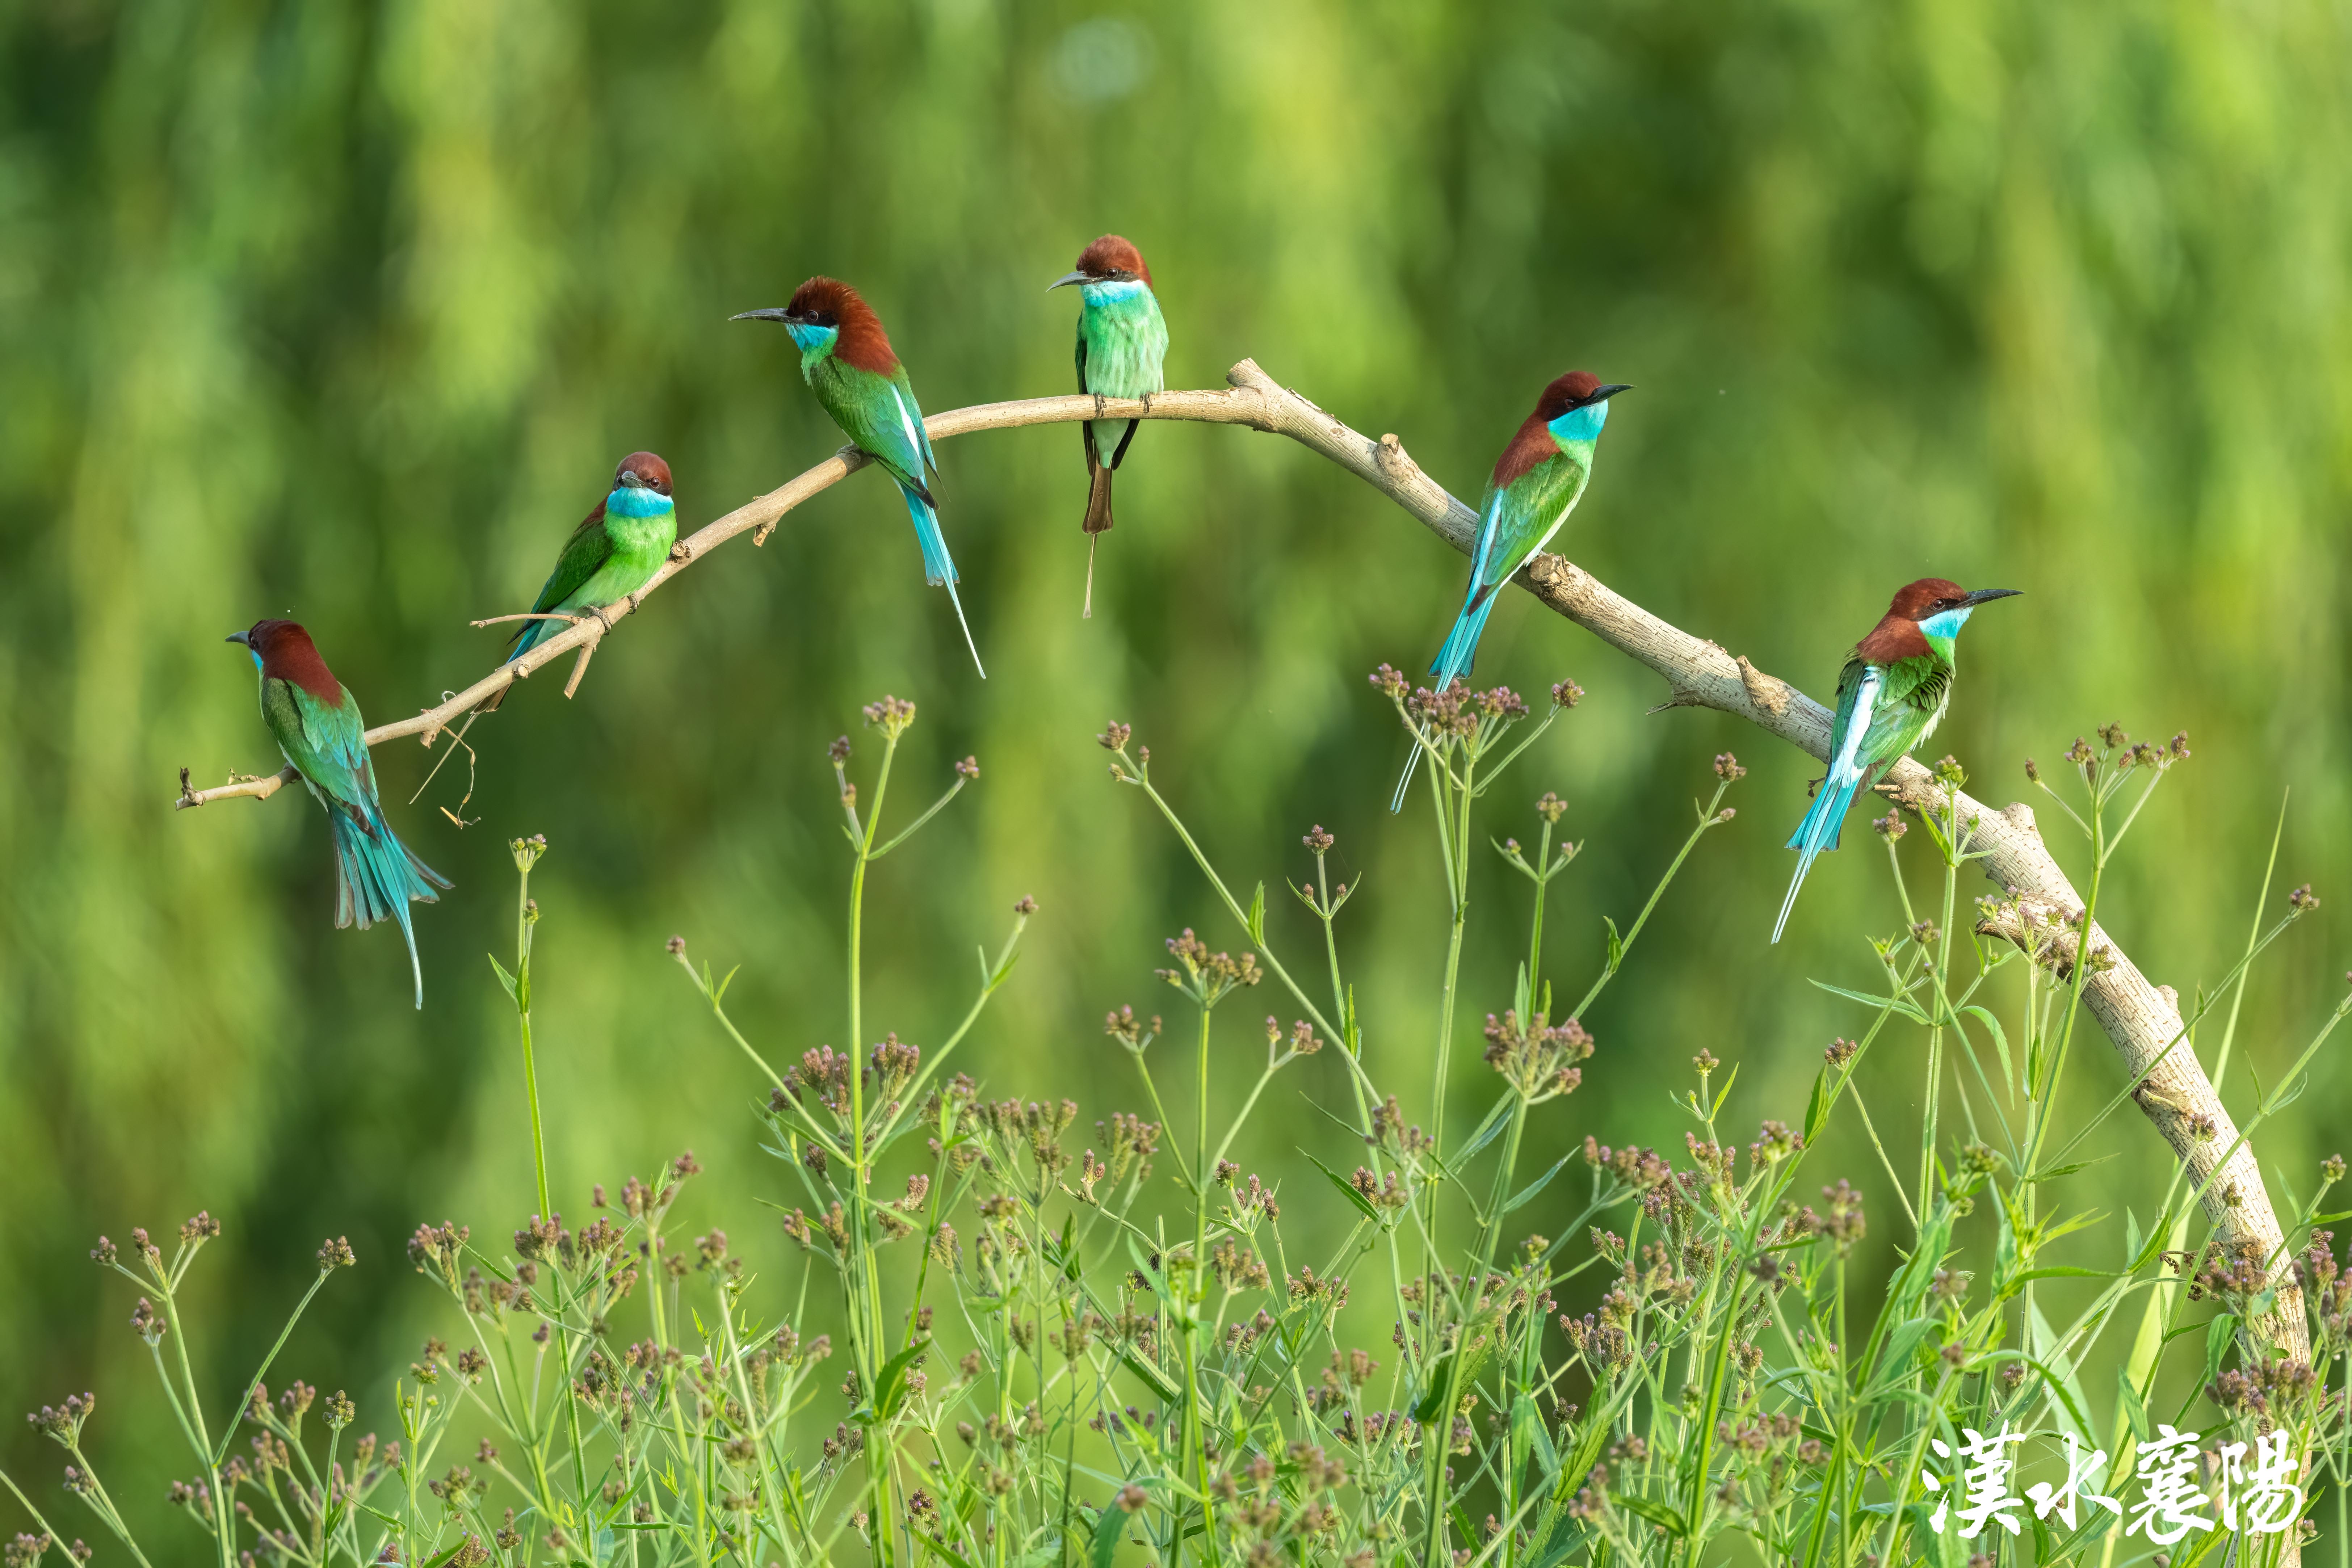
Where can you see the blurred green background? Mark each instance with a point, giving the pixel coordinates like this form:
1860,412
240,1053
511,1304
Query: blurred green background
345,312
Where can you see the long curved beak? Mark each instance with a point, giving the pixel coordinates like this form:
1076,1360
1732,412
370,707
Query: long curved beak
1983,595
1611,390
1065,281
772,313
239,638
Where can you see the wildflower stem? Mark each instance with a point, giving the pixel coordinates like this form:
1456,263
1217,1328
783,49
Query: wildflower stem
262,1371
522,1013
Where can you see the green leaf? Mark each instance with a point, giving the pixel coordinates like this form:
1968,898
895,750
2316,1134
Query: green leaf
1152,1277
1488,1130
1158,1382
1257,916
2065,1271
1616,944
1658,1513
892,1379
1109,1525
2053,1174
1347,1190
1532,1188
1818,1109
2217,1335
718,992
1902,1345
1902,1005
505,980
1527,1434
1061,1252
2129,1401
1999,1038
2059,1371
1481,1351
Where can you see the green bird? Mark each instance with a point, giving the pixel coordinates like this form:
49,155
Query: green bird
317,725
1535,484
1891,696
845,358
1121,341
615,551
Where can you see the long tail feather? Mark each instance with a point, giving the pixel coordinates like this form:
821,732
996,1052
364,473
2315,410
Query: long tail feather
1086,609
376,876
1098,518
938,566
967,629
1819,831
1404,780
1460,650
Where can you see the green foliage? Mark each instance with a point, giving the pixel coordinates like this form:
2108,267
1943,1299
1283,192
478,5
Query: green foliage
1049,1357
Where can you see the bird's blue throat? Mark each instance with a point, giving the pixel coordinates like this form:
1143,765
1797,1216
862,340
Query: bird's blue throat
1947,625
813,342
1112,291
1579,424
637,500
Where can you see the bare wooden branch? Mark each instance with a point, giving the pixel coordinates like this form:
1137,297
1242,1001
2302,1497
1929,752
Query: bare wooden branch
2142,1020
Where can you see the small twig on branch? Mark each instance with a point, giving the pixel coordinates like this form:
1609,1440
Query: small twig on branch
2143,1021
238,784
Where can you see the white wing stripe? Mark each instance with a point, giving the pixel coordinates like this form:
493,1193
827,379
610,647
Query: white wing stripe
907,423
1487,526
1848,766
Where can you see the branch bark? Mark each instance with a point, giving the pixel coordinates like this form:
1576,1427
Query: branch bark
2142,1020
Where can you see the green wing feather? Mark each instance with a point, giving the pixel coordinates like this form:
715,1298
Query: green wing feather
1911,696
584,555
869,410
1086,427
1533,506
328,746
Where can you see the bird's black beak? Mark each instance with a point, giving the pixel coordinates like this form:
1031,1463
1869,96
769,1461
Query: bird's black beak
239,637
1611,390
1065,281
772,313
1984,595
629,477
